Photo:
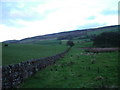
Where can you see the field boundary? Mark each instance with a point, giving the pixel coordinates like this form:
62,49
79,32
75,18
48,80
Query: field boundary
15,74
98,50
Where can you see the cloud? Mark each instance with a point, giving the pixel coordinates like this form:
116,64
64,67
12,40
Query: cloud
14,10
110,12
91,18
19,0
38,17
27,11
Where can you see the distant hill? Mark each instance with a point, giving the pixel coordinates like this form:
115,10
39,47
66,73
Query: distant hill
11,41
68,34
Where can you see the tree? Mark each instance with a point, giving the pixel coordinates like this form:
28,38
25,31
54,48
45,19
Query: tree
107,39
70,43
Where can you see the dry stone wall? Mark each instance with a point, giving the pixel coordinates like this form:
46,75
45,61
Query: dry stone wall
13,75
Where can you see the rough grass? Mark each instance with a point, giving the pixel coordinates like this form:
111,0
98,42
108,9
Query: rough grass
16,53
78,70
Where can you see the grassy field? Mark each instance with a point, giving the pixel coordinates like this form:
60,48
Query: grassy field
78,69
16,53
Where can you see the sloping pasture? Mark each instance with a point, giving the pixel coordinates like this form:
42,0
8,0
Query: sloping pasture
78,69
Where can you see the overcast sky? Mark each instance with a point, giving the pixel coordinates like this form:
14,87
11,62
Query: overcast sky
26,18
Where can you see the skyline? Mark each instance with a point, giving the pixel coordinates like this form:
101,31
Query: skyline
22,19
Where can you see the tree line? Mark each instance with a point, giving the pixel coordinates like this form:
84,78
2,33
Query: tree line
107,39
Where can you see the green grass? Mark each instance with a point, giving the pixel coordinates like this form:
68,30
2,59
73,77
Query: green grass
48,42
16,53
76,70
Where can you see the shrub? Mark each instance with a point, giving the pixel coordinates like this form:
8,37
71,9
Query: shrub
6,45
70,43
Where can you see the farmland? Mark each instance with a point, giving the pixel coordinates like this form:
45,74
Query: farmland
77,70
16,53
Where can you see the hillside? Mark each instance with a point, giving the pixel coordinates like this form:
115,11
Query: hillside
79,68
68,34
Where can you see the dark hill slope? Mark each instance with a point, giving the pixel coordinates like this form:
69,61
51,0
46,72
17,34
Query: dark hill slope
73,33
